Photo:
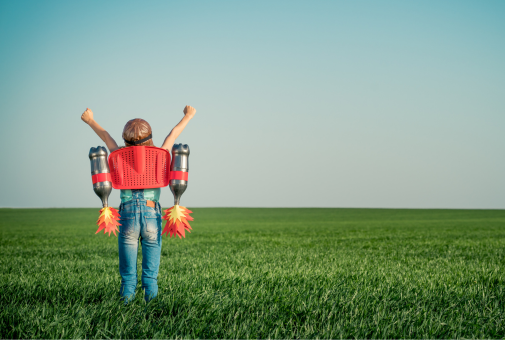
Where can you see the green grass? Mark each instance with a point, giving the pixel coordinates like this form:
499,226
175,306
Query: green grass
262,273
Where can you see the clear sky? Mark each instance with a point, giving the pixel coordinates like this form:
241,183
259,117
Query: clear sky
299,103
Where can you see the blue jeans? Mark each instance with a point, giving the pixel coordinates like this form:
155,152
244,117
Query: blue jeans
139,220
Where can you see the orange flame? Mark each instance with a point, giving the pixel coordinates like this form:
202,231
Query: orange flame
108,221
177,221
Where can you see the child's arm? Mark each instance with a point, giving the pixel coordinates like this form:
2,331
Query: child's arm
189,112
87,117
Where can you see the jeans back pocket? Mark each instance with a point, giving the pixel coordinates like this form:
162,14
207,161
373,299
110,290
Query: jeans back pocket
153,224
127,225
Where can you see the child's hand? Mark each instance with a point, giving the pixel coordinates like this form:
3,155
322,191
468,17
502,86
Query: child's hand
189,111
87,116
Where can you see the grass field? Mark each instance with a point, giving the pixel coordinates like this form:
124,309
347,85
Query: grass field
262,273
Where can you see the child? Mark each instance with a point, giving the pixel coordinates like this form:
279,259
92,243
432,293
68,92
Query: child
140,210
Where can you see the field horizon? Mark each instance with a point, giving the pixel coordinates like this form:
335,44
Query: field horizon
259,207
262,273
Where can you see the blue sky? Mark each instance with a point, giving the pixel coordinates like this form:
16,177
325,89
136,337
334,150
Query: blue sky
299,104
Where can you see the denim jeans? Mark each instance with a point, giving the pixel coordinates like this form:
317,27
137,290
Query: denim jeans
139,221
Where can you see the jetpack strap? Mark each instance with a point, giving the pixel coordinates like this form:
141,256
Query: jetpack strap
103,177
181,175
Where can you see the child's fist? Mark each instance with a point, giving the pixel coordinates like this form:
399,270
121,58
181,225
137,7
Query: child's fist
87,116
189,111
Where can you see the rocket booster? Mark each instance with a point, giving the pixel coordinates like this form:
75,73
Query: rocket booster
179,171
100,174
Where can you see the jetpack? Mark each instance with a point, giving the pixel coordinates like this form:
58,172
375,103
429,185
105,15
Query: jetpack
141,167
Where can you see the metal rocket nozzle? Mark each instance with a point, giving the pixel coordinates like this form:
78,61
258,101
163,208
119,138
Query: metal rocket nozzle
179,171
100,174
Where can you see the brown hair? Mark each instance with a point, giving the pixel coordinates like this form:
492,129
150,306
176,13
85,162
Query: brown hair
137,129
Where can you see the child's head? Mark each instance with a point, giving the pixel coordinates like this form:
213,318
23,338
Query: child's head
135,130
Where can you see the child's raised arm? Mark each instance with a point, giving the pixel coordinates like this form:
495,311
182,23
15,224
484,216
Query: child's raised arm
87,118
189,112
